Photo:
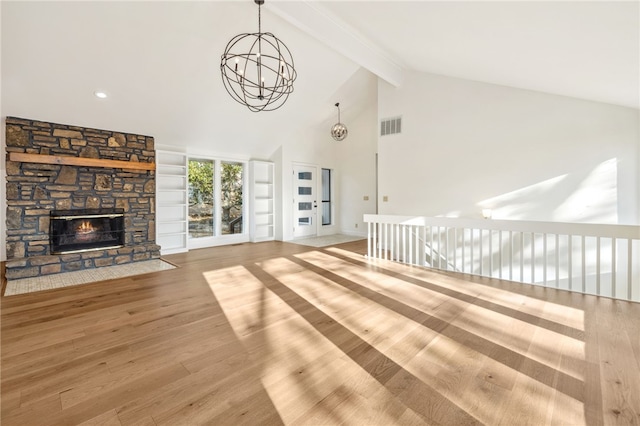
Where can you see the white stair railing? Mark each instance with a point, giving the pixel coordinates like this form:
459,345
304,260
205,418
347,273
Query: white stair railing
581,257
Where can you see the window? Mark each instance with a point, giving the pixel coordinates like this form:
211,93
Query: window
326,196
231,182
201,200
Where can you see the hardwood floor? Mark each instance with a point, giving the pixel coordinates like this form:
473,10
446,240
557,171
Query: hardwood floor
277,333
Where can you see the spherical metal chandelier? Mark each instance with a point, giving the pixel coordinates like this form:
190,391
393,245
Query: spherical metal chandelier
339,131
257,69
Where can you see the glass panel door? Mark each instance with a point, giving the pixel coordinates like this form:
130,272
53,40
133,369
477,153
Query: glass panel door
304,201
231,182
201,200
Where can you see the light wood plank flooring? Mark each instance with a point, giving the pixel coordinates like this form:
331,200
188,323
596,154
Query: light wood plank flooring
277,333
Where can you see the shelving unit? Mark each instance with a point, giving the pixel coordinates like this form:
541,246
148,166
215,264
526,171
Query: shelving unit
261,208
172,220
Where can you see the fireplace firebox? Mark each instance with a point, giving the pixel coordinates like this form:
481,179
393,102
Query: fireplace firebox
72,231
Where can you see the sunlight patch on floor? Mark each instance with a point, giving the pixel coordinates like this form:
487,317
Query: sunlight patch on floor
299,366
480,321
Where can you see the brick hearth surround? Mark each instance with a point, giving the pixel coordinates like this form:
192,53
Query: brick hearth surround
34,189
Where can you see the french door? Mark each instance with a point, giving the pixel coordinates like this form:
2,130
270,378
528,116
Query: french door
305,201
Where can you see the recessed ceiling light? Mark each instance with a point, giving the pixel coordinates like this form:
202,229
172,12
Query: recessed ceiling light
100,94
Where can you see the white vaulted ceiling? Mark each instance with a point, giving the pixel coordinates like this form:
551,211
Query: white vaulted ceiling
587,49
159,61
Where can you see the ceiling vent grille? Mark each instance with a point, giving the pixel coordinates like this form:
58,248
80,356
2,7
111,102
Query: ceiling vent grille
390,126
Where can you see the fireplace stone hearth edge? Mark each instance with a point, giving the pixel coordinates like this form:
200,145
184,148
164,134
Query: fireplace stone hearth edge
34,190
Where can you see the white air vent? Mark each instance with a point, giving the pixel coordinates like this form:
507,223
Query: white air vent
390,126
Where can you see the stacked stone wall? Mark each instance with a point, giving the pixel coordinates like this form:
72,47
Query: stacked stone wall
34,190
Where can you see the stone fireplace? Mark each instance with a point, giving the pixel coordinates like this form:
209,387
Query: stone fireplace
56,172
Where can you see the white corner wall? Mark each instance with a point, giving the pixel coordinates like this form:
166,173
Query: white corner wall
526,155
357,155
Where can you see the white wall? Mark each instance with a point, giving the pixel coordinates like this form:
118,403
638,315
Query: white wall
357,155
527,155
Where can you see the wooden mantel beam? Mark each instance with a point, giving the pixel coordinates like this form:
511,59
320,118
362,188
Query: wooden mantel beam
79,161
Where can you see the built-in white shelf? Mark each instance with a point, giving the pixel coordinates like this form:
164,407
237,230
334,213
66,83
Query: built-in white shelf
261,208
172,218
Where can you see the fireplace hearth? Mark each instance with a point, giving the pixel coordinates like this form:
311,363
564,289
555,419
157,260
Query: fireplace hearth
74,231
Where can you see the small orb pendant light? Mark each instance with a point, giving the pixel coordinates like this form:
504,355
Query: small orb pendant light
257,69
339,131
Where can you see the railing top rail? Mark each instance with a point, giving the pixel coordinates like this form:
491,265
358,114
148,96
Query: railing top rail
560,228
